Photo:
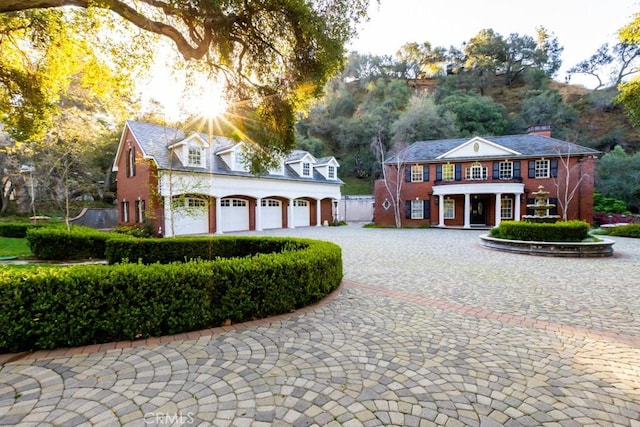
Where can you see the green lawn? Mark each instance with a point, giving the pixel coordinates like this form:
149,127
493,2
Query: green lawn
10,246
356,187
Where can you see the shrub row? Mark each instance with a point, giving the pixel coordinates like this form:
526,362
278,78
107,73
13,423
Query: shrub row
57,243
48,307
629,230
19,229
163,251
563,231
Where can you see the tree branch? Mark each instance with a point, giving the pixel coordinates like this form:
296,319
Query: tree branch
128,13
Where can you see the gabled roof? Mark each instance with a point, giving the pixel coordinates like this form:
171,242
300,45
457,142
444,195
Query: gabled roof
155,142
507,146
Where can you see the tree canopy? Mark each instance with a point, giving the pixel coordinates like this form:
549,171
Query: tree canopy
274,55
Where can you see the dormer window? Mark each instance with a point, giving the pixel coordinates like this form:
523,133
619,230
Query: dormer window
306,169
195,156
239,161
332,172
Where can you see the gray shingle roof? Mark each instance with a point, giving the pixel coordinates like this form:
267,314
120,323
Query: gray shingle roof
529,145
154,140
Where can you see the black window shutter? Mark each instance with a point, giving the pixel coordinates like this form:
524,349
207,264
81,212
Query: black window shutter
496,170
458,172
554,168
532,168
553,201
426,205
407,173
407,209
425,173
530,211
516,169
438,172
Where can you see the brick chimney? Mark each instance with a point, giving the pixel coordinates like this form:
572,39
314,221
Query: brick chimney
542,130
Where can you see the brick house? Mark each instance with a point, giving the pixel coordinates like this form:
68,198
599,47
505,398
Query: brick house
197,184
480,181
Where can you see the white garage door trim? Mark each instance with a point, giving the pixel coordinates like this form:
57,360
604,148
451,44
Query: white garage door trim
234,215
190,216
301,210
271,212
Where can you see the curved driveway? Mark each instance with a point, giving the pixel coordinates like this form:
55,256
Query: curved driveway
428,328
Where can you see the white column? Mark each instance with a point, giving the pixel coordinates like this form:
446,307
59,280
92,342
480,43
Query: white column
498,209
168,217
259,214
290,214
218,215
516,207
441,211
467,210
319,213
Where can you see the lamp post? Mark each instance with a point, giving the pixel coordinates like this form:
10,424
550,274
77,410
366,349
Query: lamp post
335,212
24,170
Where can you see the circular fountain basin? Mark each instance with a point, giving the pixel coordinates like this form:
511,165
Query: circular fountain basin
587,249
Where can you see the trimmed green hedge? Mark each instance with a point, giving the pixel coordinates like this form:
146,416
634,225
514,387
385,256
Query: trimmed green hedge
49,307
629,230
562,231
164,251
19,229
57,243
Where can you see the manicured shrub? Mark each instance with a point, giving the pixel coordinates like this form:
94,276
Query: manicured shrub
630,230
49,307
164,251
563,231
18,229
58,243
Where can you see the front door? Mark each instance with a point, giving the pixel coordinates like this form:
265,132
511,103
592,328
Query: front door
479,210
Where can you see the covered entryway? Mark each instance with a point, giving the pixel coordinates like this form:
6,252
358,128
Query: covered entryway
479,210
190,216
271,213
234,215
301,213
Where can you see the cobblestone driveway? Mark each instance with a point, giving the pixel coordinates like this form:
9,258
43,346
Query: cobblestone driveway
428,329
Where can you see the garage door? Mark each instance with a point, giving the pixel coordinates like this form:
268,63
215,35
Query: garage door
271,213
235,215
301,213
190,216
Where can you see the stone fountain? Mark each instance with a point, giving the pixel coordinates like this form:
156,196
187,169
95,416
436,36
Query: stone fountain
540,208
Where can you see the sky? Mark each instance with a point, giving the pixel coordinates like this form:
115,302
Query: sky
581,26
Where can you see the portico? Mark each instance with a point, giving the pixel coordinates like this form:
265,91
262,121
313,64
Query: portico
475,206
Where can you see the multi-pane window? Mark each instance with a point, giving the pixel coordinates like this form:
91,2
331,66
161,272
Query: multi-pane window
196,203
233,202
449,208
542,168
476,172
131,162
140,211
332,172
270,202
506,208
306,169
417,209
300,203
506,170
416,173
195,156
239,160
448,172
125,211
